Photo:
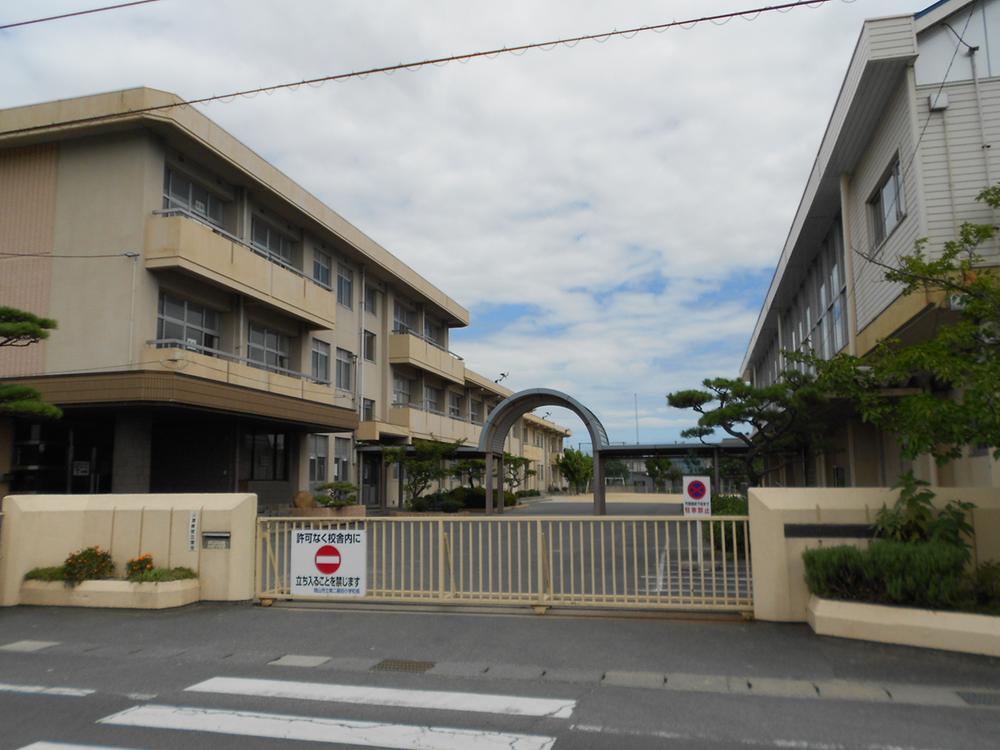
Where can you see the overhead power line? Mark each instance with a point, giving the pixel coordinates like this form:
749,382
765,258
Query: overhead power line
75,13
749,14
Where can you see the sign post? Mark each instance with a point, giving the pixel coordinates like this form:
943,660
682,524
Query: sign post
329,562
698,503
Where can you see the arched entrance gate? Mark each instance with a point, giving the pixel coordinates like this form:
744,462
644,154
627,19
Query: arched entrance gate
506,414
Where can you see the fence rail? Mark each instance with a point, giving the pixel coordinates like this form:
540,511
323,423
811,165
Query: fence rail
625,562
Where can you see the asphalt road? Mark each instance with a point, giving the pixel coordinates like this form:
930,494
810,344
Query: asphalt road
222,676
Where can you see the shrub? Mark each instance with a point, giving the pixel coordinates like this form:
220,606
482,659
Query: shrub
913,518
163,575
138,565
985,588
55,573
528,493
920,575
336,494
88,564
841,572
419,504
729,505
509,498
451,505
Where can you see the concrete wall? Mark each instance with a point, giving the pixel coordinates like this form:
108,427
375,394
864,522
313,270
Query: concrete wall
779,587
42,530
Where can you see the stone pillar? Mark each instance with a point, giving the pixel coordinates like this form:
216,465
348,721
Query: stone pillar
132,457
502,492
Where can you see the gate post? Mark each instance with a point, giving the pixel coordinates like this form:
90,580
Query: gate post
441,552
600,508
501,490
489,483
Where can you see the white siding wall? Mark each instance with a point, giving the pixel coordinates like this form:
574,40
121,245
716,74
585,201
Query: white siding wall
954,167
893,136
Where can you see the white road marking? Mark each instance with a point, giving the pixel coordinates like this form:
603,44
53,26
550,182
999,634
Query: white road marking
64,746
28,646
513,705
780,744
318,729
42,690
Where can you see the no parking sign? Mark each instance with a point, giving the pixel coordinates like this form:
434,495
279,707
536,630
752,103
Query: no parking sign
329,563
697,496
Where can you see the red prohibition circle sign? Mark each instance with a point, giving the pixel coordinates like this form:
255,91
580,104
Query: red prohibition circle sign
327,559
696,489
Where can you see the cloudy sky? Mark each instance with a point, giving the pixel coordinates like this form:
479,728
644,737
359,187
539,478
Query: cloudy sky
610,213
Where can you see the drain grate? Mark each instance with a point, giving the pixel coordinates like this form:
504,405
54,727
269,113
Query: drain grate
979,699
402,665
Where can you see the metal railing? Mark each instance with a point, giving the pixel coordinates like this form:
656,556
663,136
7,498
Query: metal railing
220,354
402,330
591,562
262,252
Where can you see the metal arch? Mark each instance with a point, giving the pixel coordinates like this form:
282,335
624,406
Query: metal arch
512,408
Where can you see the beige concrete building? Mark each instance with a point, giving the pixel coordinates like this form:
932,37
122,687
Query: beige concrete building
906,151
220,329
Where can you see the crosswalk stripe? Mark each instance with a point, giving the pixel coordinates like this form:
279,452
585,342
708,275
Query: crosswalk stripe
319,729
67,746
513,705
42,690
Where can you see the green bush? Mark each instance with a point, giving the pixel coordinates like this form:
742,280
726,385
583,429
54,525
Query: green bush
451,505
163,575
138,565
336,494
55,573
927,575
528,493
841,572
729,505
985,588
88,564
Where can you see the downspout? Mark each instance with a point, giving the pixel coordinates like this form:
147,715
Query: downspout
359,384
984,145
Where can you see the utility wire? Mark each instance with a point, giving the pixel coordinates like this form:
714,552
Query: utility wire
749,14
74,14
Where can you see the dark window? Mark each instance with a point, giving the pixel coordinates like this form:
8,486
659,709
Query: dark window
267,454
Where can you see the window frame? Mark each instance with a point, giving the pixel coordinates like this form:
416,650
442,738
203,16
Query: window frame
319,459
345,369
367,410
283,357
371,300
321,266
320,361
163,318
212,197
272,229
878,217
345,286
370,344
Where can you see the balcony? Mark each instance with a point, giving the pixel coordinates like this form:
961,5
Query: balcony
213,364
533,452
410,349
176,240
432,424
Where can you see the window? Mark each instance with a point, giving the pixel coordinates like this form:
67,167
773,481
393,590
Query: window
371,300
455,403
321,268
434,331
404,318
341,459
264,236
321,361
318,447
476,411
267,348
267,456
887,206
345,286
186,323
401,388
180,191
367,410
432,399
345,369
369,348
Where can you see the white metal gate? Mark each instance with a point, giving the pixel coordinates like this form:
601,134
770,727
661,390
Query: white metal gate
628,562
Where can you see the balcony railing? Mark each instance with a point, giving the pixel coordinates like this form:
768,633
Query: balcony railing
402,329
209,351
276,259
471,419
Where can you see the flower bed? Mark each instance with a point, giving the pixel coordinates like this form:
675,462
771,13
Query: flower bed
111,593
905,626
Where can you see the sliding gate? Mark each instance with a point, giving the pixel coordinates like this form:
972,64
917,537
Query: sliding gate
602,561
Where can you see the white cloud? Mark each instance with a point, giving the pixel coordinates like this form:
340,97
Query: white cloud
570,180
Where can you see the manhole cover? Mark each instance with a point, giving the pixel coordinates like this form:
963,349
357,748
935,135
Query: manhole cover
979,699
402,665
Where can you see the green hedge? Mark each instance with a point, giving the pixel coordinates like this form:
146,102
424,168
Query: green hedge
455,500
929,575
